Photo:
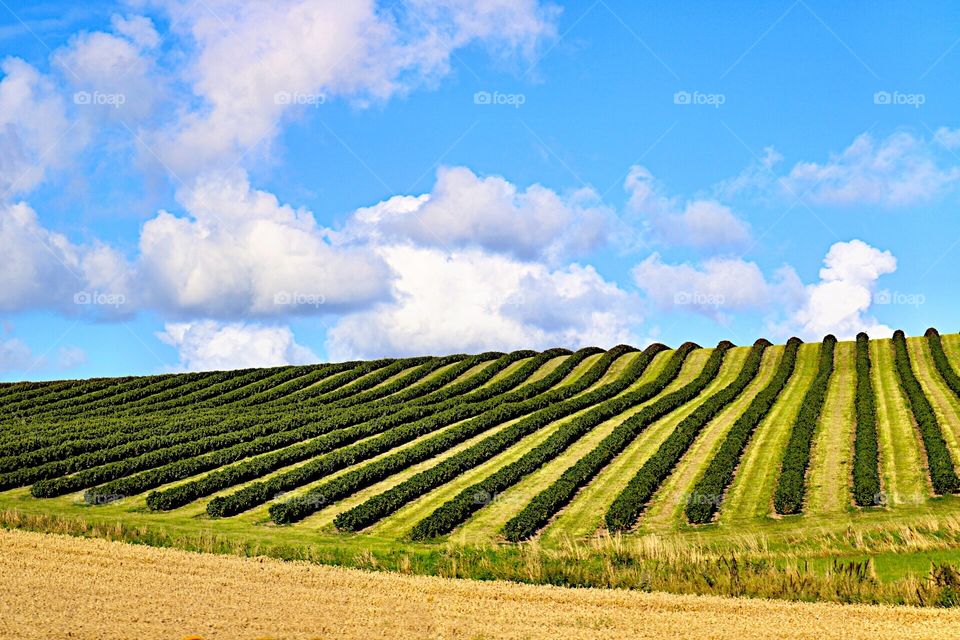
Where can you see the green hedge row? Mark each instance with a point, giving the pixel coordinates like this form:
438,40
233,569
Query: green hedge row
389,501
456,411
548,502
866,457
322,372
498,412
942,473
941,362
791,485
390,428
286,429
708,492
630,503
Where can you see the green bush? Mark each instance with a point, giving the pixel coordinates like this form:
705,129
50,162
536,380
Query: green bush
866,459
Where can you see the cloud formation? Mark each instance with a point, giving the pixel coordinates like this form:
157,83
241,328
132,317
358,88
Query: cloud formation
209,345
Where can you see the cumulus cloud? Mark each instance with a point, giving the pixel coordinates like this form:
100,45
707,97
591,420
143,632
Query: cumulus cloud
113,76
464,210
700,223
716,287
35,133
44,270
240,251
470,300
256,61
840,302
899,170
209,345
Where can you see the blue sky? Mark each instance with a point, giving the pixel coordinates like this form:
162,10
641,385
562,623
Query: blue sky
224,184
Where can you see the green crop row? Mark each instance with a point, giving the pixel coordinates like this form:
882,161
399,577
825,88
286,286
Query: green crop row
942,474
389,501
866,457
791,486
708,492
630,503
497,411
548,502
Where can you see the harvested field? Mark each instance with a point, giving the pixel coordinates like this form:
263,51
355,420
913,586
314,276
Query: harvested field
64,587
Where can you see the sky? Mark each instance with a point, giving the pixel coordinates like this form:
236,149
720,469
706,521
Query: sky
209,184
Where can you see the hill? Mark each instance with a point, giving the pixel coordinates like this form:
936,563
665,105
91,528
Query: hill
776,453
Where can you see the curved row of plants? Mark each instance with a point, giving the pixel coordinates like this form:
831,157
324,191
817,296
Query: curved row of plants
392,430
150,428
941,362
708,492
498,413
469,419
548,502
627,507
383,504
791,485
181,461
942,473
866,449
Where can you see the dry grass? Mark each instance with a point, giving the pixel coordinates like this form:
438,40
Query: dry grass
63,587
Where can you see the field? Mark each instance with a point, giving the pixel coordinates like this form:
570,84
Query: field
112,591
817,471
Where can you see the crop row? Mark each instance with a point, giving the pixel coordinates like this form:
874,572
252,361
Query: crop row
262,465
497,413
942,473
630,503
389,501
537,513
708,492
791,485
483,415
866,456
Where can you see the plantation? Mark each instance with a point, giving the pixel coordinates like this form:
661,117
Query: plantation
813,451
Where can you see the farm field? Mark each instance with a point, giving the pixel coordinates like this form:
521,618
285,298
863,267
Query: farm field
110,590
605,466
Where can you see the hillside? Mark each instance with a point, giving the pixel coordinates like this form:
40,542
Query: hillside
820,449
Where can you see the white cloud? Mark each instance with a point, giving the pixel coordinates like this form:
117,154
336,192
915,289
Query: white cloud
43,269
209,345
242,252
469,300
465,210
897,171
715,288
35,134
113,76
16,355
256,61
701,223
840,302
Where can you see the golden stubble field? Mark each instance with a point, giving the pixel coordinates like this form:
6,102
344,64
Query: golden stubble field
62,587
